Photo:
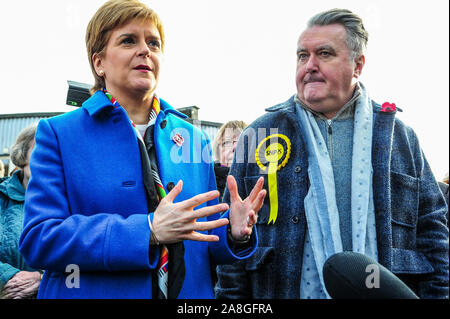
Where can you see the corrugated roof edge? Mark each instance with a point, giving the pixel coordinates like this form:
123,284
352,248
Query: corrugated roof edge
216,124
24,115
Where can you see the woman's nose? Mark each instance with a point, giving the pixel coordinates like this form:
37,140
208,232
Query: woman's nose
143,49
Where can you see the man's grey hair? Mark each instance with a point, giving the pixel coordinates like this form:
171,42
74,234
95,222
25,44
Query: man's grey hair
357,36
19,151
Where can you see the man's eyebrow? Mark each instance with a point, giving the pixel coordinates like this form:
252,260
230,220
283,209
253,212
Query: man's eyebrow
301,49
325,47
320,47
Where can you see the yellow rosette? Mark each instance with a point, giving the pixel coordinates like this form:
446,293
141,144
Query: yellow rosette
271,155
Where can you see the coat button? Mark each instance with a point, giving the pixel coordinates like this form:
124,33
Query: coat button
170,186
163,124
298,169
295,219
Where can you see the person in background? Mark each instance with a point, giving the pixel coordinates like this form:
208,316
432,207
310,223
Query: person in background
223,148
120,199
17,279
344,174
2,169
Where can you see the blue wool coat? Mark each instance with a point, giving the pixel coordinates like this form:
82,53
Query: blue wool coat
412,235
86,204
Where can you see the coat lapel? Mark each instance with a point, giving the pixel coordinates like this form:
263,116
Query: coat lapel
381,159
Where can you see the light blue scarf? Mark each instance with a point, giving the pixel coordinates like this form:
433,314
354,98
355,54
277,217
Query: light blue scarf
324,237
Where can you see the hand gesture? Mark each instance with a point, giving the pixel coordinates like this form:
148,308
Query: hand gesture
174,222
243,213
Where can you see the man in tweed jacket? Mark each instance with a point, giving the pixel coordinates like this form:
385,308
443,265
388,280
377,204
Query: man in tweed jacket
408,208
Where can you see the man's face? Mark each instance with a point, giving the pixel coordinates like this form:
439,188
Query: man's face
326,76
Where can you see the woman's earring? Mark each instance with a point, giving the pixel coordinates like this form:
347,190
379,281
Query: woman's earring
101,73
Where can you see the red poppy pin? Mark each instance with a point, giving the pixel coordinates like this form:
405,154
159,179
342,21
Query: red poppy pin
388,107
178,139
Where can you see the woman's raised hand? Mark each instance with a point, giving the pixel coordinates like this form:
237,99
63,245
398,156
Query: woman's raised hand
174,222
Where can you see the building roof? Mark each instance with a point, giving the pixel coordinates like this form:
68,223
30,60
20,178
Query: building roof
28,115
12,124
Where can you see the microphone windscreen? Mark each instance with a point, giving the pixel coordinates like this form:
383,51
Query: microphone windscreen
350,275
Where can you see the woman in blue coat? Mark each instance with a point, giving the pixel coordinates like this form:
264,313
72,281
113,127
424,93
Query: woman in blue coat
122,202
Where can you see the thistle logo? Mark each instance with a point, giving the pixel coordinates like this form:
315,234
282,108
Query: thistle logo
274,152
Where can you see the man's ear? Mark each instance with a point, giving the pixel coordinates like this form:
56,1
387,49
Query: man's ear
359,65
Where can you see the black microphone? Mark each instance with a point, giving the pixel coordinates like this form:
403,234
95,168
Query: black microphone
350,275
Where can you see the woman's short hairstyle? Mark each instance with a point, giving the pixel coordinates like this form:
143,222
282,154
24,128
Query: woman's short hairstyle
237,126
115,14
19,151
357,36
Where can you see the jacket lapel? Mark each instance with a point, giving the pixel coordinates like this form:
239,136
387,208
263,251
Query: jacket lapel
381,159
298,152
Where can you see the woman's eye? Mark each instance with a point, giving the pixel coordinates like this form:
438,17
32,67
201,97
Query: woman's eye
128,40
154,44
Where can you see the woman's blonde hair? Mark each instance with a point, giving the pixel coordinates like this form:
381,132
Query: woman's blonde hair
236,126
115,14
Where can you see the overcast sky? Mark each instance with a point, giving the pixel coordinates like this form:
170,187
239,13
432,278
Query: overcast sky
235,58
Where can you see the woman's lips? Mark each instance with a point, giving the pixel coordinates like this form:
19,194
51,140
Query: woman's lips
143,68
